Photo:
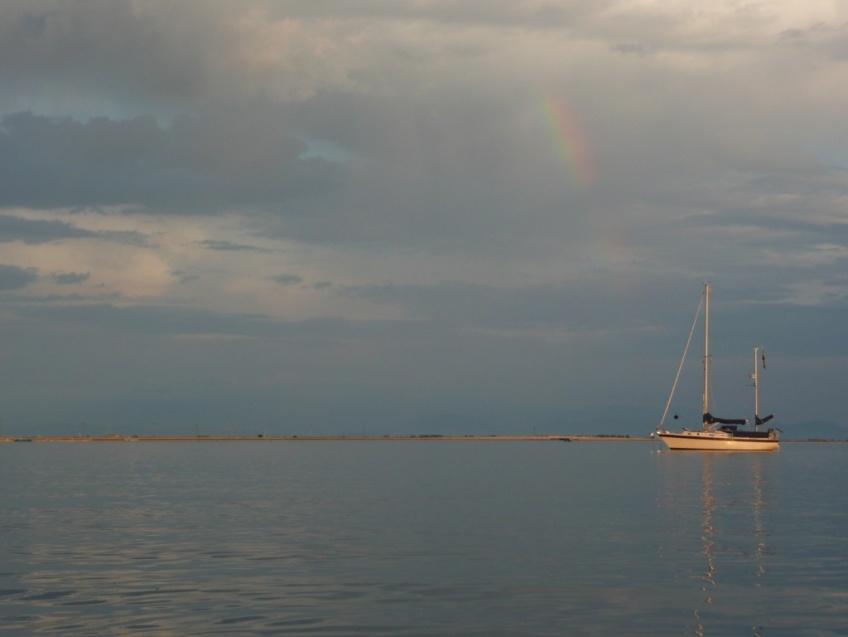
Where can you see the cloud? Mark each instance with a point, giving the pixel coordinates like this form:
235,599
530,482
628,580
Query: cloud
41,231
106,47
70,278
201,164
230,246
446,140
153,52
14,278
288,279
577,306
163,320
33,231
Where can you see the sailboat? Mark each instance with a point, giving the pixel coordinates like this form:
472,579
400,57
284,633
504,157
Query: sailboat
719,434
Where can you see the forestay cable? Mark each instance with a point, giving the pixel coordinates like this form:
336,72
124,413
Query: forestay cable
680,366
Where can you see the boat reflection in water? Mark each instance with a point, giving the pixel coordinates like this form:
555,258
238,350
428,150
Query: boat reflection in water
718,510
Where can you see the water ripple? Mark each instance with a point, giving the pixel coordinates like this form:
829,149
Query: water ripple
469,539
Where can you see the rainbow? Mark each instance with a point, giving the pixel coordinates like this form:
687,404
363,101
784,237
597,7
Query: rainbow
571,142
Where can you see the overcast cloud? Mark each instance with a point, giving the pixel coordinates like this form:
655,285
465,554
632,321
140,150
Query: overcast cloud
486,209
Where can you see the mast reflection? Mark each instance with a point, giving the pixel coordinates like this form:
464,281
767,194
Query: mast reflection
758,507
725,501
708,579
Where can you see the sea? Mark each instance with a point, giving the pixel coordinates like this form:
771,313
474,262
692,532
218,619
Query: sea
421,538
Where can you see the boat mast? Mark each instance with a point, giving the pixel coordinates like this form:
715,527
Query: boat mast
707,292
756,378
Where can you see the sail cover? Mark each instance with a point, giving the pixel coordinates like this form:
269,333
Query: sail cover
709,419
764,419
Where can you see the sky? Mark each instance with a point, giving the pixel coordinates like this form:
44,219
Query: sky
418,216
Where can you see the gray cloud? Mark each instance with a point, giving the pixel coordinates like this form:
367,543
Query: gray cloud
469,164
184,276
159,320
198,164
36,231
829,38
70,278
28,300
795,227
108,47
177,52
14,278
288,279
632,48
579,306
162,320
230,246
628,315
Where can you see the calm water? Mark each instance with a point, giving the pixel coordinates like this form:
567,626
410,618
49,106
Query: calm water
421,538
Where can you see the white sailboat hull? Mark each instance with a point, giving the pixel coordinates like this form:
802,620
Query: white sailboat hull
717,441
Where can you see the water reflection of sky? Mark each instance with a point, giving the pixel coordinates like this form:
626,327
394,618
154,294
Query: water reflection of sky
422,538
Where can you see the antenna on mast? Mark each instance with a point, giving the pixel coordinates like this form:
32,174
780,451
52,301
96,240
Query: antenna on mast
759,353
